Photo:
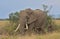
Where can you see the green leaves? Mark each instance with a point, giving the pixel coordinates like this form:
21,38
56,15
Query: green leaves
14,17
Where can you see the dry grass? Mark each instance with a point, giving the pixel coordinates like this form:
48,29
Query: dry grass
57,22
3,23
54,35
46,36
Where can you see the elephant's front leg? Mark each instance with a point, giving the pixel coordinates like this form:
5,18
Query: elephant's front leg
30,28
22,29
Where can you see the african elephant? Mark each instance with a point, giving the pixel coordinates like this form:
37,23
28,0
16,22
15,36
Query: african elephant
35,20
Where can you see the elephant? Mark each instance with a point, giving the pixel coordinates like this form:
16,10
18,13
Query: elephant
33,20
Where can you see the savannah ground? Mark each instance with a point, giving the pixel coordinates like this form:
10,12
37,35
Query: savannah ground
53,35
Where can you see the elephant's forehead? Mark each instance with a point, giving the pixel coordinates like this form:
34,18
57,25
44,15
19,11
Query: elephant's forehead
23,13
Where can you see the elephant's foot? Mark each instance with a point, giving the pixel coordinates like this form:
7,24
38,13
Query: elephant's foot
40,31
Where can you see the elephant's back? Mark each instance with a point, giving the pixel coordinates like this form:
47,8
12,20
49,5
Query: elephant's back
41,16
39,13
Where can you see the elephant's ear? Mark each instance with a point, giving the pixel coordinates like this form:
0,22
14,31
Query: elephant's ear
32,19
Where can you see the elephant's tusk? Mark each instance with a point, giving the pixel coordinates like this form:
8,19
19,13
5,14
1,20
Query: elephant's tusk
26,26
17,28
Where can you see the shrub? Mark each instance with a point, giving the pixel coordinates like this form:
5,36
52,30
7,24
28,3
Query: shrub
9,29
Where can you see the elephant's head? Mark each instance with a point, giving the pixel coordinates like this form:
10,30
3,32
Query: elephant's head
25,16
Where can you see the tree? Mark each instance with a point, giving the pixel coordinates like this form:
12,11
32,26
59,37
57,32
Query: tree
14,17
46,8
48,17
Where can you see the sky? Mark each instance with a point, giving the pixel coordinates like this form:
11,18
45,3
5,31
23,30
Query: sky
8,6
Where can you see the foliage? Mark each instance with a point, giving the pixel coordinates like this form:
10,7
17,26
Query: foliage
49,23
14,17
9,29
57,28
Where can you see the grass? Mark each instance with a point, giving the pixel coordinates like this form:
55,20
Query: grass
46,36
3,23
57,22
54,35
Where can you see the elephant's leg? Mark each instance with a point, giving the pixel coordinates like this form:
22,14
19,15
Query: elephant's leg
22,29
43,28
39,30
50,28
30,28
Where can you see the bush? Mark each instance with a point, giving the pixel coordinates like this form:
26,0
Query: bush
57,28
9,29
